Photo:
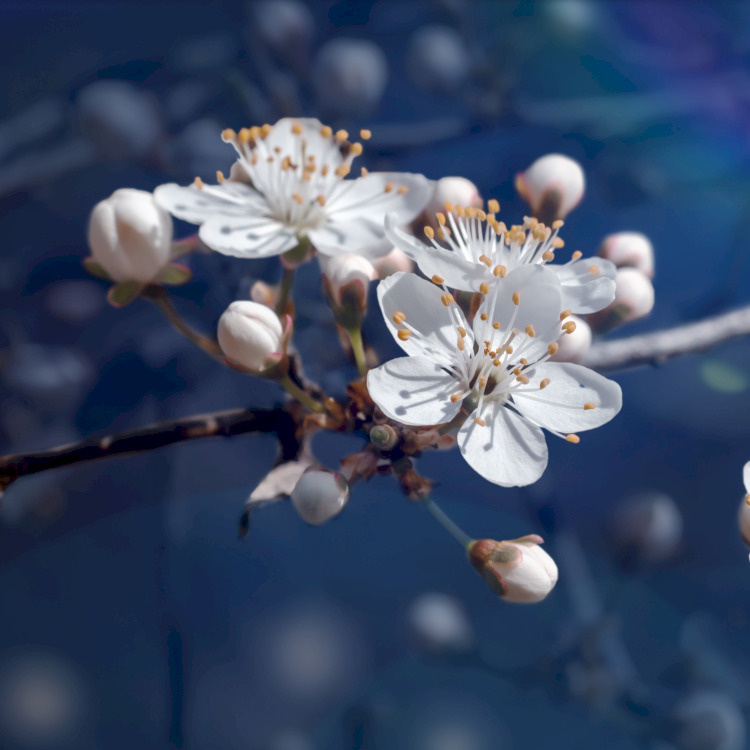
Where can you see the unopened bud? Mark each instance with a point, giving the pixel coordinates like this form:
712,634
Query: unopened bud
286,26
629,249
553,186
457,191
519,571
438,623
383,437
393,262
320,495
346,279
130,236
437,59
252,337
634,299
264,294
572,347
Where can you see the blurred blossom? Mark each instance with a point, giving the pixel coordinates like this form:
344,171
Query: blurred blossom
285,26
290,739
75,301
571,16
573,347
437,59
196,150
629,249
43,701
349,77
456,190
709,720
204,53
122,120
393,262
647,528
439,623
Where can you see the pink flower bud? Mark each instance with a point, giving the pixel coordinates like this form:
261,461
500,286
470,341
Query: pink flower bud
572,347
346,279
320,495
634,299
130,236
629,249
251,336
553,186
519,571
393,262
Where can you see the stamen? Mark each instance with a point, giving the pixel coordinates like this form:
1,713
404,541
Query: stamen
198,183
447,299
356,149
326,131
430,232
576,255
594,271
589,405
388,187
522,379
558,223
321,199
564,314
297,197
558,242
341,135
343,170
365,135
480,421
456,397
461,331
398,318
484,316
544,383
530,331
403,334
548,256
441,218
439,280
573,438
265,130
496,326
516,298
228,135
499,271
487,262
569,327
219,176
460,343
403,190
552,349
484,288
493,206
363,172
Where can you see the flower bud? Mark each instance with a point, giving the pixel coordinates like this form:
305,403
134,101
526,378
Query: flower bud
437,59
572,347
634,299
395,261
346,279
743,517
456,190
130,236
629,249
286,26
252,337
553,186
320,495
519,571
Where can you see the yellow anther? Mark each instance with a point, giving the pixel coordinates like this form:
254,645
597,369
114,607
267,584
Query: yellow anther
530,331
198,183
589,405
439,280
324,170
220,176
480,421
326,131
277,149
552,349
343,170
456,397
404,334
448,206
341,135
496,362
524,361
482,381
557,223
594,270
493,206
254,158
447,299
573,438
461,331
297,197
484,259
522,379
269,159
484,288
398,318
548,256
460,344
496,326
365,135
297,129
516,298
228,134
356,149
544,383
576,255
403,190
516,370
484,316
558,242
265,130
388,187
430,233
509,349
479,214
460,212
564,314
499,271
747,499
569,327
321,199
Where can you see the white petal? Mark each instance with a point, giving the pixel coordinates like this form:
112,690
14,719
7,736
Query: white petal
559,406
367,197
746,477
198,205
458,272
508,450
336,238
414,391
584,291
420,302
247,237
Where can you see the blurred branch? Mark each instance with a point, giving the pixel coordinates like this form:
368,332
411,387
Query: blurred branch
280,422
656,348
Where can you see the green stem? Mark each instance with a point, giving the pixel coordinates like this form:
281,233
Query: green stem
285,290
160,297
358,348
447,523
296,392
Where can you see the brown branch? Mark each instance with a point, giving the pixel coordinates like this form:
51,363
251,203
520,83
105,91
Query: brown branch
279,421
656,348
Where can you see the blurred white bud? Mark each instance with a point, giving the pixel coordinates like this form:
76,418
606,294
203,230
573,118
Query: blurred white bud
572,347
634,299
709,720
251,336
123,121
438,622
393,262
629,249
320,495
130,236
286,26
553,186
437,59
519,570
743,517
346,279
264,294
349,77
647,528
456,190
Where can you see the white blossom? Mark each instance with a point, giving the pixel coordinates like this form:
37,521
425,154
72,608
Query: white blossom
289,184
629,249
471,248
130,236
251,336
492,380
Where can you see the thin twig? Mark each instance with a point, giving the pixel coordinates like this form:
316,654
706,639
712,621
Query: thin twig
656,348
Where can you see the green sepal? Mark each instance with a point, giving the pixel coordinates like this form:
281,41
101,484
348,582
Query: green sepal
96,269
124,293
174,274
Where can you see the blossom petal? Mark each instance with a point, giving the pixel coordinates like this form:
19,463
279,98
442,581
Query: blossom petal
458,272
414,391
247,237
560,406
337,238
508,450
746,477
377,194
588,284
197,205
420,303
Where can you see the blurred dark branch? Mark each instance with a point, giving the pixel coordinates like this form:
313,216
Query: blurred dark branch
656,348
280,422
